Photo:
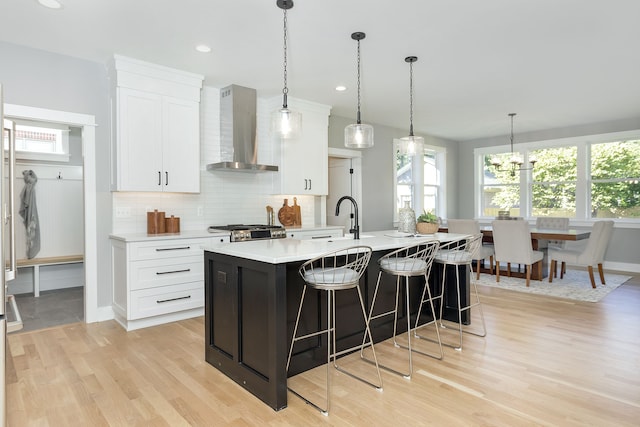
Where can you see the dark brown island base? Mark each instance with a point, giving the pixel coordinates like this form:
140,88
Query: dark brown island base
252,292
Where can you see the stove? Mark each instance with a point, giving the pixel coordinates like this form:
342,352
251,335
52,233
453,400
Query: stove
244,232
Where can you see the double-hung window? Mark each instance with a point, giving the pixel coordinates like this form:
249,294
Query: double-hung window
420,180
595,176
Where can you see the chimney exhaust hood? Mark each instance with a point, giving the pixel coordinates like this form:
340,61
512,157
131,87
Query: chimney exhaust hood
238,143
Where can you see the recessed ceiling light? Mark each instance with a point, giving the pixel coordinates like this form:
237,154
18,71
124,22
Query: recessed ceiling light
341,88
203,48
51,4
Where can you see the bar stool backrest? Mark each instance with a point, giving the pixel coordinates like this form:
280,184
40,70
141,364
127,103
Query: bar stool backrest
460,251
412,260
339,269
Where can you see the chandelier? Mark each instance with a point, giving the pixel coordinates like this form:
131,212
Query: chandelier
515,162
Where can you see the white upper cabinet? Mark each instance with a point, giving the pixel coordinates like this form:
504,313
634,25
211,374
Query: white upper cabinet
303,162
156,128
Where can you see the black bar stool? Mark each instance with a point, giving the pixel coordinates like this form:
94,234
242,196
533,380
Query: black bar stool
331,272
410,261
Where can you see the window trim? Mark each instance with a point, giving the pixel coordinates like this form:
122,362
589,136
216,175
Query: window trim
44,156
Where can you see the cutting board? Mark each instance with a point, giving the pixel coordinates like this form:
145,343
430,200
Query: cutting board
287,214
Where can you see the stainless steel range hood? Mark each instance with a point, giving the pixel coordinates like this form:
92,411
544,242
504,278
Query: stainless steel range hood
238,144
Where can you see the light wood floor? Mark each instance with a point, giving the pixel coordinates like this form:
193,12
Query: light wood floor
545,361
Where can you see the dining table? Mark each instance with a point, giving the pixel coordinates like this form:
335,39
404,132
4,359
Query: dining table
538,234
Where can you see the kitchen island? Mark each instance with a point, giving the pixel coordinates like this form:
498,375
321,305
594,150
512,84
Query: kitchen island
252,292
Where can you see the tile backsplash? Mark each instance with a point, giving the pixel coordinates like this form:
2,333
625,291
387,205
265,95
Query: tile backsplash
225,197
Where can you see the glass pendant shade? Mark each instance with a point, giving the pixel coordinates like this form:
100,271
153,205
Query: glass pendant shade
358,135
286,123
411,145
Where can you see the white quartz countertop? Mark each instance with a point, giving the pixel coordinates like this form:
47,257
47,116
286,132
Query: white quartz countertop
144,237
277,251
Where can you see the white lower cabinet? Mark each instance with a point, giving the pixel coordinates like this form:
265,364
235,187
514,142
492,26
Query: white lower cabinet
158,281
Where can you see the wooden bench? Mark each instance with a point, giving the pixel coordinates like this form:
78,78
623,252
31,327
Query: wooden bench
36,263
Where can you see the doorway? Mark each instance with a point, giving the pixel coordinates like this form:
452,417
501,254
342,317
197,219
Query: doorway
345,179
86,125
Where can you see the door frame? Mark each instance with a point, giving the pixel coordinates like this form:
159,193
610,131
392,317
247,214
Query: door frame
356,159
87,124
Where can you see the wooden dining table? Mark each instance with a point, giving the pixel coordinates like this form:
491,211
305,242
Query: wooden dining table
538,234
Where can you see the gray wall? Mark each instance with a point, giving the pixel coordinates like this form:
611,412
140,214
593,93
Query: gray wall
43,79
377,171
625,243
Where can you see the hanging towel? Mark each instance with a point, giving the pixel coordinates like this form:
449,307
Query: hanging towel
29,213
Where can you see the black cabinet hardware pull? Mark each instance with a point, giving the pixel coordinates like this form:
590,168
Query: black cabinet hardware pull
320,237
173,249
305,183
159,178
309,183
172,299
174,271
166,179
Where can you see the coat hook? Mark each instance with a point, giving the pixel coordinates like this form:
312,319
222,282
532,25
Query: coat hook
59,175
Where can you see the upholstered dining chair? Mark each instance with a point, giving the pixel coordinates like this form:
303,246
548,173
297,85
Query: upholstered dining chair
551,223
512,243
471,226
592,254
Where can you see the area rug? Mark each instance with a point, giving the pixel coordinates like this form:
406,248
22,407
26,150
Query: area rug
575,285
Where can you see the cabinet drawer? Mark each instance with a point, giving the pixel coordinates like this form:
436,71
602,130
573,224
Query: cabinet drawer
153,273
167,249
166,299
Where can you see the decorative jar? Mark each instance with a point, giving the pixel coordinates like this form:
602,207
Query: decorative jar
407,219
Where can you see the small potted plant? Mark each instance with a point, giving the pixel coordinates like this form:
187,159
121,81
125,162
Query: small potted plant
427,223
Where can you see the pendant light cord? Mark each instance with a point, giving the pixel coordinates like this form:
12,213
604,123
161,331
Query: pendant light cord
411,98
285,89
512,114
358,114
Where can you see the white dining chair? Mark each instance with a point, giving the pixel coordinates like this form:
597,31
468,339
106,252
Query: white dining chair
551,223
471,226
592,254
512,243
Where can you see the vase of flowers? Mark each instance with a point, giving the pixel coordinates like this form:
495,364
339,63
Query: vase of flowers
428,223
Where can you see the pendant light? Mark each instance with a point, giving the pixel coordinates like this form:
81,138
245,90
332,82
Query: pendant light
358,135
515,161
411,145
286,123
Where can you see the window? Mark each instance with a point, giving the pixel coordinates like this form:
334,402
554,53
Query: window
420,181
615,180
40,141
586,177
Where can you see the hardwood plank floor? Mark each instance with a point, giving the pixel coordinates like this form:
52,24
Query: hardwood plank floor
544,362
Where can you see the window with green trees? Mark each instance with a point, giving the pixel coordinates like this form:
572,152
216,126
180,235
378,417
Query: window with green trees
575,179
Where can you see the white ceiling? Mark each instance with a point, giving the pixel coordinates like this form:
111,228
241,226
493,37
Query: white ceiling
556,63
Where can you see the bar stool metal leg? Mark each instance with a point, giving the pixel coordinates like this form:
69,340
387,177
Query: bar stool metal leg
459,257
412,261
334,277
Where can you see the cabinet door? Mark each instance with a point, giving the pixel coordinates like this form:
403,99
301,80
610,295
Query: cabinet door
139,136
305,160
181,146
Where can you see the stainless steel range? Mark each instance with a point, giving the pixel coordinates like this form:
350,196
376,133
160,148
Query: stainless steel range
243,233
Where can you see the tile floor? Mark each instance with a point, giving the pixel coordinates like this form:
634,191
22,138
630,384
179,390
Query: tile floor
51,308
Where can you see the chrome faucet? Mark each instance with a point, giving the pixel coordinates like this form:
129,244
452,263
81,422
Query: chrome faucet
356,229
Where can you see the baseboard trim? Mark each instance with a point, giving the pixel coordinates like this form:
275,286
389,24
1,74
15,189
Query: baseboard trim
625,267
